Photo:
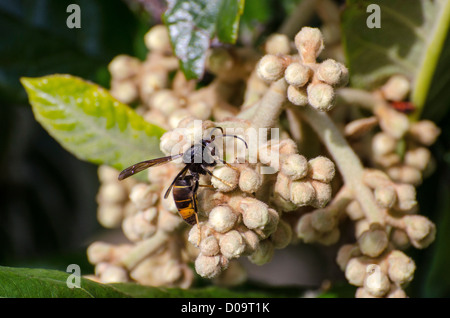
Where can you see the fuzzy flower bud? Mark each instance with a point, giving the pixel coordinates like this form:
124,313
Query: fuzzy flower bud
297,74
282,236
396,88
321,169
401,268
373,241
305,230
323,220
277,44
420,230
355,272
302,193
406,194
418,158
297,96
271,68
323,193
227,174
295,166
383,143
376,282
321,96
385,196
231,244
345,253
330,72
222,218
425,132
109,273
209,246
157,39
208,266
255,213
123,66
249,180
143,196
309,43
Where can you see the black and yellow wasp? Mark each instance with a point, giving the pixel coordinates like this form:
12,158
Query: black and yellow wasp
198,158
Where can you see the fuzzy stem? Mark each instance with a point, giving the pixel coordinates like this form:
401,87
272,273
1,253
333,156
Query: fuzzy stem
144,249
269,108
346,160
355,96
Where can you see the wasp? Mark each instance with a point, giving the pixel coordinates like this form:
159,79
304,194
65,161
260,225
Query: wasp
197,159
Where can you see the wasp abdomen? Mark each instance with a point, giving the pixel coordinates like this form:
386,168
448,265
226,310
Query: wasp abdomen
184,197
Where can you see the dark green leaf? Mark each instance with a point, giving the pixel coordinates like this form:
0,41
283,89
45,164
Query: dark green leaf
86,120
193,24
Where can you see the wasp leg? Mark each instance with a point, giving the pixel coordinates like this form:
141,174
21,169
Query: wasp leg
223,181
226,163
196,212
206,185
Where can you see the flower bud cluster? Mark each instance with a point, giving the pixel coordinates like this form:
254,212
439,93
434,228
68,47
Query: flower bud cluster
400,148
309,82
384,276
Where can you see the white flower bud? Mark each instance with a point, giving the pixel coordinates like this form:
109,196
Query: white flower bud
321,169
297,96
321,96
231,244
323,193
406,194
418,158
396,88
391,121
385,197
354,210
271,68
222,218
425,132
125,91
295,166
137,227
373,242
401,268
396,292
143,196
99,252
309,43
123,66
111,192
209,246
359,127
157,39
330,72
109,273
405,174
255,213
305,230
227,174
249,180
355,272
329,238
251,241
278,44
152,82
208,266
165,101
322,220
345,253
110,215
297,74
263,253
302,193
399,239
361,292
376,282
421,231
383,143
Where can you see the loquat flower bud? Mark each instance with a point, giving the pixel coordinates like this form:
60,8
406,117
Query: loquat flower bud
406,194
271,68
401,268
418,158
123,66
396,88
405,174
362,225
321,169
249,180
231,244
263,254
302,193
222,218
137,227
323,193
386,196
227,174
373,241
321,96
208,266
282,235
359,127
209,246
305,230
151,82
255,213
110,215
157,39
399,239
111,192
322,220
297,74
109,273
295,166
165,101
309,43
354,210
99,252
329,238
345,253
383,143
376,282
125,91
421,231
396,292
143,196
361,292
330,72
297,95
251,240
277,43
355,272
425,132
391,121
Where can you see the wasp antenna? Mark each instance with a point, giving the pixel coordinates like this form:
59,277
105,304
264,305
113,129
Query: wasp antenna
237,137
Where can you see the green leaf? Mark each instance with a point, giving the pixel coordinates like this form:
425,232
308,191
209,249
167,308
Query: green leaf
409,41
193,24
45,283
86,120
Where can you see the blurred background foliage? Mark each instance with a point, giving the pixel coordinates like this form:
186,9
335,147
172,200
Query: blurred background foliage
47,196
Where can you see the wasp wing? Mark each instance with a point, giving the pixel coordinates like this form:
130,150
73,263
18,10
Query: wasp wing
179,175
140,166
